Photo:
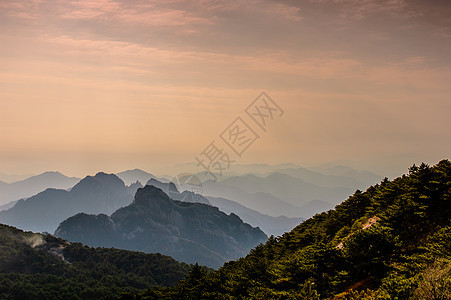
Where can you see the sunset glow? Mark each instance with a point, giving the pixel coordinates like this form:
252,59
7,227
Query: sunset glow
109,85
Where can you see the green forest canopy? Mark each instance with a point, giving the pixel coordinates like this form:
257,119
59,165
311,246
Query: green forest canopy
36,266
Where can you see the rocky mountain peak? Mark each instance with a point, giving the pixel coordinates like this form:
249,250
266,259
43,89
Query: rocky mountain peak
150,194
100,180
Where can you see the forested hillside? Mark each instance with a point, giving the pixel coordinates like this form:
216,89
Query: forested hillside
392,241
35,266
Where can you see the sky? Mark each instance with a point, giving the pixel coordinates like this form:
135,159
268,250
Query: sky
102,85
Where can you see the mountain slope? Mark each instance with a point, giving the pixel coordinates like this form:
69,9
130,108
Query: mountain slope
324,180
265,203
339,170
36,266
292,190
8,205
276,194
171,189
262,202
33,185
102,193
190,232
392,241
270,225
168,187
13,178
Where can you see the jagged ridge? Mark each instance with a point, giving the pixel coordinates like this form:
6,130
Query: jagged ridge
190,232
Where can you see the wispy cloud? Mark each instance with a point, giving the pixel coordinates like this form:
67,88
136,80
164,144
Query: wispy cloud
266,8
140,61
27,10
89,9
129,13
363,8
112,71
359,9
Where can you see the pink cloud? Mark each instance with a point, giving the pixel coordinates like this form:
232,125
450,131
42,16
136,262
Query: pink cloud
359,9
19,9
131,13
263,7
135,62
86,9
159,13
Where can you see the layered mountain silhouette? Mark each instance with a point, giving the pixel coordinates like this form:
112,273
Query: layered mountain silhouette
8,205
336,177
102,193
277,194
189,232
340,170
33,185
270,225
168,187
9,178
173,192
131,176
290,189
238,169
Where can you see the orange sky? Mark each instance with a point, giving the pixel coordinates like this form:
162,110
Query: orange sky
112,85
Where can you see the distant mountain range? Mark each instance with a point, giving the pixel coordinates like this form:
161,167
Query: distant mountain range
292,192
8,205
22,186
287,188
33,185
270,225
156,223
333,177
260,200
102,193
8,178
172,191
265,203
363,176
235,170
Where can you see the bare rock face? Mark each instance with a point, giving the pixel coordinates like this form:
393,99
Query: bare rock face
153,222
